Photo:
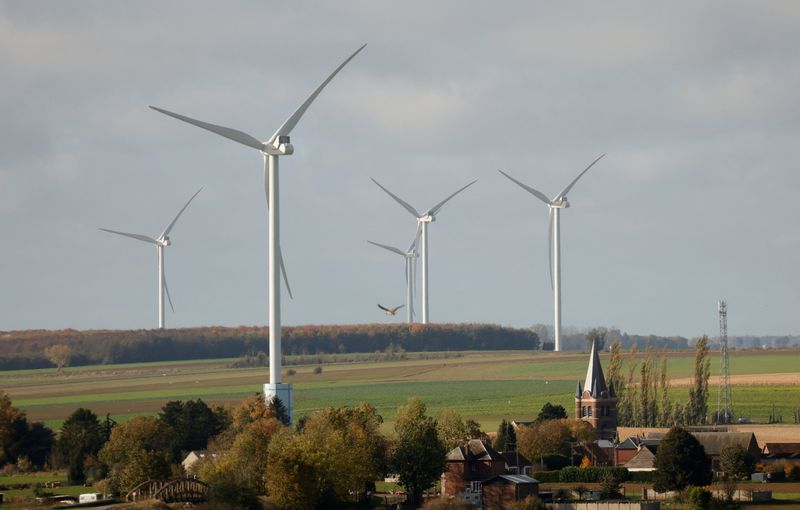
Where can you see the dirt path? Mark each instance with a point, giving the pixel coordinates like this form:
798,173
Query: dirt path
784,379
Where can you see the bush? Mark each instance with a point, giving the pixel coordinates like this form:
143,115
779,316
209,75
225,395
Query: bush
792,472
591,474
318,370
640,476
446,504
291,371
547,476
699,498
530,503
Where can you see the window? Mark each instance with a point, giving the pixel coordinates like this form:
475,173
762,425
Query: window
475,487
583,411
590,411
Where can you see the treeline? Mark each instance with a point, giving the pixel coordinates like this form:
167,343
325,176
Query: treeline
26,349
574,339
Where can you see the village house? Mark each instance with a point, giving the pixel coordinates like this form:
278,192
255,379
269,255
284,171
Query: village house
467,467
774,452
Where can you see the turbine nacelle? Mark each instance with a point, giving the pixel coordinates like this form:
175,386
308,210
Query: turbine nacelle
427,218
561,203
280,147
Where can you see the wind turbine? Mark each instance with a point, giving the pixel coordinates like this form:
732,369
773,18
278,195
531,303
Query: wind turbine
422,233
409,258
161,242
277,145
554,207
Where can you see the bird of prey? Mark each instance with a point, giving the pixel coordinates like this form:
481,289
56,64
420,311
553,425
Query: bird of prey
390,311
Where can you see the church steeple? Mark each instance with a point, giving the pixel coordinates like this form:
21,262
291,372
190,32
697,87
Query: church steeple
595,382
596,401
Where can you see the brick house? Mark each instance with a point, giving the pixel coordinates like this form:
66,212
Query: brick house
467,467
503,490
595,401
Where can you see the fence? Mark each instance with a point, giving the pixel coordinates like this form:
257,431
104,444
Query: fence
605,505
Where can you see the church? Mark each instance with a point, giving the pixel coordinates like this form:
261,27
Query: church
596,401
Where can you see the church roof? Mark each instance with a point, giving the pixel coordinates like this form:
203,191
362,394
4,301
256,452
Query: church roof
595,382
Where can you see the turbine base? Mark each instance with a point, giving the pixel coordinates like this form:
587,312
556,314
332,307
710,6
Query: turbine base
282,391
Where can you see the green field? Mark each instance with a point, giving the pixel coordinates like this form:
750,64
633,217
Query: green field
486,386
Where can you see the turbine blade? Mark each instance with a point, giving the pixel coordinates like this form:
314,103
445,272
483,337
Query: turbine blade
166,288
140,237
231,134
405,268
399,200
566,190
283,272
438,206
390,248
550,245
169,227
538,194
292,121
413,245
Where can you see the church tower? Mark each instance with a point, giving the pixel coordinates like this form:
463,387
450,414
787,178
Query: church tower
595,402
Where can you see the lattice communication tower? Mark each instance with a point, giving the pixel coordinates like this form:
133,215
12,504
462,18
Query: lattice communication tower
724,403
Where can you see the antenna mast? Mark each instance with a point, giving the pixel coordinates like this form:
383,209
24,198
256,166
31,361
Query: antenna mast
724,402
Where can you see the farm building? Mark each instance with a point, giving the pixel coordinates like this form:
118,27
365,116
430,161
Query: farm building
503,490
780,451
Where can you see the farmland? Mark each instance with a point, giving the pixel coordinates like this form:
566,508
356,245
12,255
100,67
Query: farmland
486,386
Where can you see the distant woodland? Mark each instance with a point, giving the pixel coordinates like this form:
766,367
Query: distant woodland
35,348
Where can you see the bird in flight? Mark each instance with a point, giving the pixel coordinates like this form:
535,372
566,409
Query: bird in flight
390,311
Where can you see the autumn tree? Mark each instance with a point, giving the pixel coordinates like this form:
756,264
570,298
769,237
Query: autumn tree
451,428
697,407
419,457
334,459
680,462
736,462
545,438
59,355
138,450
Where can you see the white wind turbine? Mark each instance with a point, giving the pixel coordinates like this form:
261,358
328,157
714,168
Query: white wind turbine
422,233
409,259
161,242
554,207
277,145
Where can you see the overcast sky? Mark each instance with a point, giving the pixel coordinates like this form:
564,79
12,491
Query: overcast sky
695,104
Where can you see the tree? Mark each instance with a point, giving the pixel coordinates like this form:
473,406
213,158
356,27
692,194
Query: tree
545,438
418,458
193,423
279,410
81,436
334,459
18,438
451,429
506,438
138,450
736,462
697,408
552,412
59,355
681,461
596,336
610,486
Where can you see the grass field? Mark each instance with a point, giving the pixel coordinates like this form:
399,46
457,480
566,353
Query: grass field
486,386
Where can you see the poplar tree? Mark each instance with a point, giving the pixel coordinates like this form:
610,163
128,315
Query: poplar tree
697,408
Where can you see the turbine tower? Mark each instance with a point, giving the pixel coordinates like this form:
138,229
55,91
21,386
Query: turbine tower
409,260
277,145
724,401
422,234
161,242
554,207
